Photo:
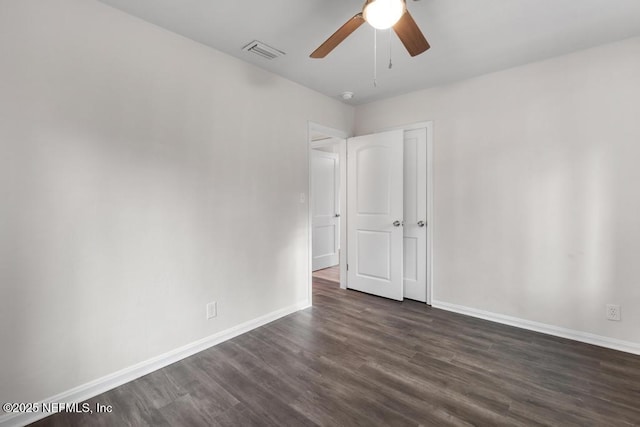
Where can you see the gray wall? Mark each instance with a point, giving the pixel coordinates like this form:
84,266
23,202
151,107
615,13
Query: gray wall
537,204
142,175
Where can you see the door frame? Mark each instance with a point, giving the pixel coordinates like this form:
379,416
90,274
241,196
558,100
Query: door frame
339,137
428,125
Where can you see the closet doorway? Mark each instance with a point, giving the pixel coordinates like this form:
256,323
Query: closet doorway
389,216
371,210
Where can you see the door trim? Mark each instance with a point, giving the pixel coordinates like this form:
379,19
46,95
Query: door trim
428,125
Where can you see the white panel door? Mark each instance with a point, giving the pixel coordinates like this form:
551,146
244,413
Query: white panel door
374,208
325,175
415,215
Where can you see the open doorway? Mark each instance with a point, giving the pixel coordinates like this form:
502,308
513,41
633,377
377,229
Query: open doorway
327,197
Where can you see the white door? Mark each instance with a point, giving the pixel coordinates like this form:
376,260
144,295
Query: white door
325,175
375,205
415,214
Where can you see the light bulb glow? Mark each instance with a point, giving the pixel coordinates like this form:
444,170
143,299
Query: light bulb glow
383,14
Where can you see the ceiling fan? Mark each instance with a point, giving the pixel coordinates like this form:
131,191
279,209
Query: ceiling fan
380,14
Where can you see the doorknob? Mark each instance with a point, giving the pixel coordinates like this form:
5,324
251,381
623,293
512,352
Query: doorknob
396,223
337,215
421,224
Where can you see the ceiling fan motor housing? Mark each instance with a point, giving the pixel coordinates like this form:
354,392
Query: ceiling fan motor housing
383,14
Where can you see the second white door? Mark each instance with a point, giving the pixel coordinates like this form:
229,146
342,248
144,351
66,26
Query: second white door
415,214
325,176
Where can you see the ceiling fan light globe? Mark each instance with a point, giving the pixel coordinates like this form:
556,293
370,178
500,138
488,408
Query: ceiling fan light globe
383,14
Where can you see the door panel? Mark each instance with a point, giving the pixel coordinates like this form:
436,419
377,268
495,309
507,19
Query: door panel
324,241
375,201
324,208
372,260
373,177
415,210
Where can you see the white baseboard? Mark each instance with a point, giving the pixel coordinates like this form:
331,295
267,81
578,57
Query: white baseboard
612,343
106,383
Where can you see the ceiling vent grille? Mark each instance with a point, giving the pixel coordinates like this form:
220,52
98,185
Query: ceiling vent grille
263,50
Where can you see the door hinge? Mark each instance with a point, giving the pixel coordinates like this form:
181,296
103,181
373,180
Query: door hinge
347,267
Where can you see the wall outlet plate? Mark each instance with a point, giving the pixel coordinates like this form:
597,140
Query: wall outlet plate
613,312
212,310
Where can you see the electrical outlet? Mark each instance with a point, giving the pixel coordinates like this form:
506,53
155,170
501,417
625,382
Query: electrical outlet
613,312
212,310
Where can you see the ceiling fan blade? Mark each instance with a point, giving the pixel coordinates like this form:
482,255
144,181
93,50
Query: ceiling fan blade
410,35
338,37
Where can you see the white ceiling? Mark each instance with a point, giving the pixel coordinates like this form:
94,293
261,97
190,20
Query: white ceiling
468,37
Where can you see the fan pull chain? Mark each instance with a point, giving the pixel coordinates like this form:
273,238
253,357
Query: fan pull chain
375,58
390,63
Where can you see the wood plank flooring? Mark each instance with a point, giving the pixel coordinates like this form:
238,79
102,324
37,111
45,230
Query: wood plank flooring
358,360
331,274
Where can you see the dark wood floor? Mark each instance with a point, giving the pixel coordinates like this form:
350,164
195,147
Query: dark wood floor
355,359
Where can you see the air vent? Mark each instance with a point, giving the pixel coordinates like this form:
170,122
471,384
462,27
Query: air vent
263,50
